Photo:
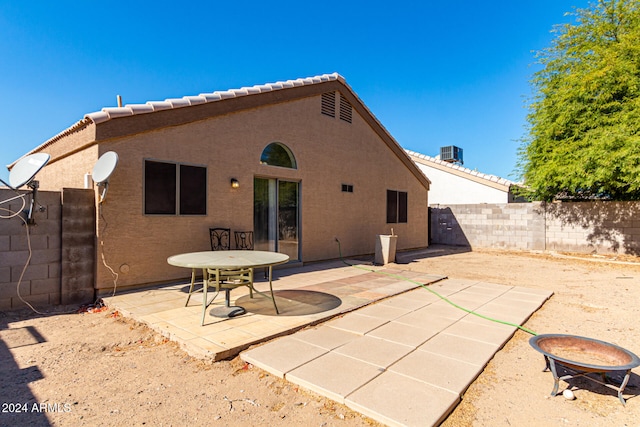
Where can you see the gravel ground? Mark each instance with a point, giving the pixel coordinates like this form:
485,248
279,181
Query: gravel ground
99,369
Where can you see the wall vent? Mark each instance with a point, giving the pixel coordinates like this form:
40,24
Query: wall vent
328,106
345,109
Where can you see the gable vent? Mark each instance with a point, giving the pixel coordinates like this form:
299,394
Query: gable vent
329,104
345,109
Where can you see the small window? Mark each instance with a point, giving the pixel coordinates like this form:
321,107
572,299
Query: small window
277,154
347,188
396,206
172,188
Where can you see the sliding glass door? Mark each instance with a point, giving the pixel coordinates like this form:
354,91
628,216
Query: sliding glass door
276,216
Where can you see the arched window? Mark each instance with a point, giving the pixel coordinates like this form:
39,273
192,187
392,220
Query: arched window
278,154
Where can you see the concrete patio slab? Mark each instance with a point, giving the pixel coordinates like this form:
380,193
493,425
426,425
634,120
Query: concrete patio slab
409,369
406,334
493,333
376,351
358,324
410,302
438,370
398,400
333,375
284,355
460,348
326,337
384,312
305,295
382,340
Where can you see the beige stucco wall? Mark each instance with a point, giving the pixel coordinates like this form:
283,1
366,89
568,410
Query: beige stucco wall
70,171
73,154
329,152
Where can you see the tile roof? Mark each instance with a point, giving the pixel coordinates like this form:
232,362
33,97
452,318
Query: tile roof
108,113
132,109
459,170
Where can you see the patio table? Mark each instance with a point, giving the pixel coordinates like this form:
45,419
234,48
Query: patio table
227,260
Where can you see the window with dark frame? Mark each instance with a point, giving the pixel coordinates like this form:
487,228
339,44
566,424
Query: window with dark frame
278,154
396,207
193,194
174,189
347,188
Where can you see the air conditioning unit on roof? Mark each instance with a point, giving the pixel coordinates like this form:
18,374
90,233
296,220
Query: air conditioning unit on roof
451,154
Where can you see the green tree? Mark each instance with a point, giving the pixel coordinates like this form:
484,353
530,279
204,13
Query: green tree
583,138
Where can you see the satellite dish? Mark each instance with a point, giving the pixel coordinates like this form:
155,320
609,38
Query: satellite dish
23,173
104,167
26,168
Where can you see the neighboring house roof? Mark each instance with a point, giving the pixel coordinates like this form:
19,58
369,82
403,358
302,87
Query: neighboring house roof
112,122
481,178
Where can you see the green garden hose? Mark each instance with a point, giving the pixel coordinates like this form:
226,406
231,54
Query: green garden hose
396,276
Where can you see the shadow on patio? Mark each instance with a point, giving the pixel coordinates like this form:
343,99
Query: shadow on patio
305,296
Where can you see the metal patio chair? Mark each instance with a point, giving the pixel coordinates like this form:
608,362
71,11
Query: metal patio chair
220,241
244,240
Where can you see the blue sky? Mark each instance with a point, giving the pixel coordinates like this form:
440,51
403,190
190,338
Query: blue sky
434,73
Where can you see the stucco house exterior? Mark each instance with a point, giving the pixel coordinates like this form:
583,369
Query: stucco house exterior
453,184
309,162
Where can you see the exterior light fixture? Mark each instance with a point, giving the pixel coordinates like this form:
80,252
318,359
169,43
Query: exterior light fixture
234,183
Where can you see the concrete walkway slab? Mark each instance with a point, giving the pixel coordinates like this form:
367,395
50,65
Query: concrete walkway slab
326,337
285,355
460,348
334,375
376,351
398,400
438,370
407,360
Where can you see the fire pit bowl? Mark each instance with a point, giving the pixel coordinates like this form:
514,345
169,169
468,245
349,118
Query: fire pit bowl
584,355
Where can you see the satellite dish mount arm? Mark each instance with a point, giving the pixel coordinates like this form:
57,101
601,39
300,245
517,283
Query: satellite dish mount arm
34,185
105,187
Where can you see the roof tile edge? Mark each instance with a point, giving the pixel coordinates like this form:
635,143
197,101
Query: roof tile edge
492,178
109,113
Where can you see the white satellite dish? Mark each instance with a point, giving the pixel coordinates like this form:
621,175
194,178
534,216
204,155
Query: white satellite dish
103,169
23,172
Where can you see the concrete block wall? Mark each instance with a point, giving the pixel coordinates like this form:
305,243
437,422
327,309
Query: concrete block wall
40,282
78,249
503,225
603,227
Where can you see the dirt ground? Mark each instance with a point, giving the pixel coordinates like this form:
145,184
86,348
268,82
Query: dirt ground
99,369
